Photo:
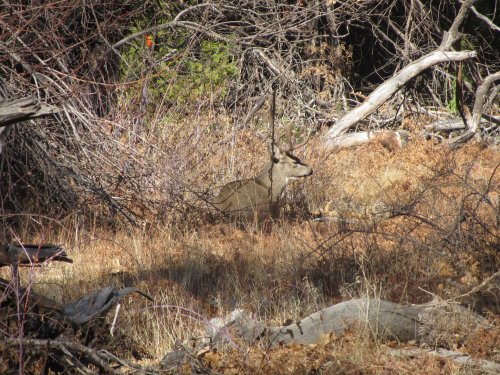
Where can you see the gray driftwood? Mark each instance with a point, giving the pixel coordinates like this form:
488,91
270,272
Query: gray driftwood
391,140
382,318
477,111
386,90
435,324
82,311
97,304
29,254
389,88
432,323
23,109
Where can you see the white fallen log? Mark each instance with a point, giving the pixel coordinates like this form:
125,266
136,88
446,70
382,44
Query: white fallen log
446,125
383,318
386,90
433,324
456,123
392,140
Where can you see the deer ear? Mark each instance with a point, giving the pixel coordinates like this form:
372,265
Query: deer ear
276,153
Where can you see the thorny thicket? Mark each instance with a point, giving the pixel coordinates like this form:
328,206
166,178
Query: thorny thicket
112,150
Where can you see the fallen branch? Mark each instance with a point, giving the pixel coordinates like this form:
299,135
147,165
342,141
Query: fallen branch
452,124
77,313
82,351
392,140
477,112
386,90
389,88
481,94
382,319
97,304
427,323
24,254
23,109
446,125
19,110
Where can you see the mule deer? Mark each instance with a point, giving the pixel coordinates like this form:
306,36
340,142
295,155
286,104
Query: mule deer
257,198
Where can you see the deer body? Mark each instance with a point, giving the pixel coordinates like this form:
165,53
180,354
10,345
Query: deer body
257,198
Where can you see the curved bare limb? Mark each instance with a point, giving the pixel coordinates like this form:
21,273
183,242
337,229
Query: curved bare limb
390,87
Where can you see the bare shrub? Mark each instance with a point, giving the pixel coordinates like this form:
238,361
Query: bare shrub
107,151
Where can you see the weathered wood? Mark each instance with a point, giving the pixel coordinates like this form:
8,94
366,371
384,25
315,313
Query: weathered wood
433,324
12,112
31,254
381,319
19,110
446,125
384,319
97,303
477,111
386,90
455,123
392,140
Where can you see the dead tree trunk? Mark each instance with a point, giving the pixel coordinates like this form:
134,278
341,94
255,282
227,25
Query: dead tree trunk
433,323
477,111
436,324
385,91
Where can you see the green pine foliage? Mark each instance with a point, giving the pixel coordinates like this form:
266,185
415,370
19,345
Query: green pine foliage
193,74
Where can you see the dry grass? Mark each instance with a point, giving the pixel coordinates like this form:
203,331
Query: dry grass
350,354
409,224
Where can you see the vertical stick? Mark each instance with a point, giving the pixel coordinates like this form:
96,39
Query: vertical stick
273,145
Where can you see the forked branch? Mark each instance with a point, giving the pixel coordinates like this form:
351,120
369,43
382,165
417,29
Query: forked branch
393,85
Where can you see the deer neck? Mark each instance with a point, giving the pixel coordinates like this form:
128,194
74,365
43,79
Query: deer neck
272,180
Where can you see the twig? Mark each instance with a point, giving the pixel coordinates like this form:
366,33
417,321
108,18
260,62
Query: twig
115,318
90,354
477,288
485,19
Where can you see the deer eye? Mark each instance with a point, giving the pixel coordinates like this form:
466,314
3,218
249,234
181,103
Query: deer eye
275,160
